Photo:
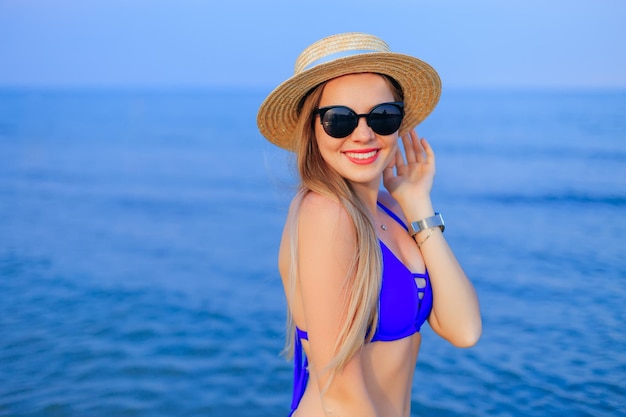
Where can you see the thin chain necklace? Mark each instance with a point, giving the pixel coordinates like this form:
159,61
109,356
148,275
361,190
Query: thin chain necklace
382,225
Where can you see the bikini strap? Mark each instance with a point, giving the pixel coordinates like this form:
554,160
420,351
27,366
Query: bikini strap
300,371
392,214
301,334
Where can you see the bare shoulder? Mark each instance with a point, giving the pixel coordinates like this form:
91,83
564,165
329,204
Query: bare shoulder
316,202
323,214
317,219
326,237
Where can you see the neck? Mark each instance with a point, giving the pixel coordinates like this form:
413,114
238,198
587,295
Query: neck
368,194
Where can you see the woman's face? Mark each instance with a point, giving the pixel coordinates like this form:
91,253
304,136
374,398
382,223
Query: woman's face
361,156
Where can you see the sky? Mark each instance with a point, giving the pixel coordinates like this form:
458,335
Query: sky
251,43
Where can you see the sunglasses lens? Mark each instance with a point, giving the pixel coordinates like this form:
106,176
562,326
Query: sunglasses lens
339,122
385,119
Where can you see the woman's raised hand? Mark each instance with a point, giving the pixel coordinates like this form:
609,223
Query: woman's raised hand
413,178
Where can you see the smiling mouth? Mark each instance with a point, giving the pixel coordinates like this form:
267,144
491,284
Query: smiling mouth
361,155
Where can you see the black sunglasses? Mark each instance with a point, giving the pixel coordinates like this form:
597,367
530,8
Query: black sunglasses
340,121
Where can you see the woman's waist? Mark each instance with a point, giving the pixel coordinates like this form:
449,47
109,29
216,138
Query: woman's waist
387,402
388,369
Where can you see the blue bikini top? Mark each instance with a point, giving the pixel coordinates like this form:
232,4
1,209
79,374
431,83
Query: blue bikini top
406,297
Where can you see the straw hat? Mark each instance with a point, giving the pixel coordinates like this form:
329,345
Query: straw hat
338,55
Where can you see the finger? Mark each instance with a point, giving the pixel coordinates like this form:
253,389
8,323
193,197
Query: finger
420,155
399,163
409,146
430,153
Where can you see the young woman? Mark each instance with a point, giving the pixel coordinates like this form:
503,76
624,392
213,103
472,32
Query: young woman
362,268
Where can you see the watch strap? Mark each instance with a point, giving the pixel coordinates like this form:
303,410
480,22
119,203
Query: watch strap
427,223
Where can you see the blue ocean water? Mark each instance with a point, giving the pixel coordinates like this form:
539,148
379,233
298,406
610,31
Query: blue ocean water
138,240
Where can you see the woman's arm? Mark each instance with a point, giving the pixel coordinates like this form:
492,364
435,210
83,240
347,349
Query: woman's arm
456,313
326,246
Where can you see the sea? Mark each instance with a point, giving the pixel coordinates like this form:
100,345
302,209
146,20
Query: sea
139,231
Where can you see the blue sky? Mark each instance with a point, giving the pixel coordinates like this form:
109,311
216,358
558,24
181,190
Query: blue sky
238,43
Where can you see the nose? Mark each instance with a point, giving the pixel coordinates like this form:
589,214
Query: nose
362,132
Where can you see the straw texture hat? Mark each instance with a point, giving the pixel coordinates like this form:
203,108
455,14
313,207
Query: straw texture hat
343,54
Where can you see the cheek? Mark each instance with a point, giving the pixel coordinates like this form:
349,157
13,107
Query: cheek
394,143
326,143
393,148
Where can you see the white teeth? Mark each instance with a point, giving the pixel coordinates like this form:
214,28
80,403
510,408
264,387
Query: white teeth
361,155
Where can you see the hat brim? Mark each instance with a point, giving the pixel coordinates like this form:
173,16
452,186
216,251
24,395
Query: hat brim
421,86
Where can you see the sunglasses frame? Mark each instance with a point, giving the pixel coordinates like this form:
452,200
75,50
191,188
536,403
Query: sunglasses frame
356,117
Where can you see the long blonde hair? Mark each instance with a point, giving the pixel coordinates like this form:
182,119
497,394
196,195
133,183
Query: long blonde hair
364,277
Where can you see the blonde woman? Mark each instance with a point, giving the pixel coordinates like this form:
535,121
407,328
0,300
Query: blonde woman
362,268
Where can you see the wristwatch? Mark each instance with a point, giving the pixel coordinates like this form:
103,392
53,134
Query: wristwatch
427,223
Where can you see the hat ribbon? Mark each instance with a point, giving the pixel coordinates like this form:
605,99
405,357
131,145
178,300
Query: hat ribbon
337,55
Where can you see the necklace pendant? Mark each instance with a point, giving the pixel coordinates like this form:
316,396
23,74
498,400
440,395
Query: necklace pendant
382,226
